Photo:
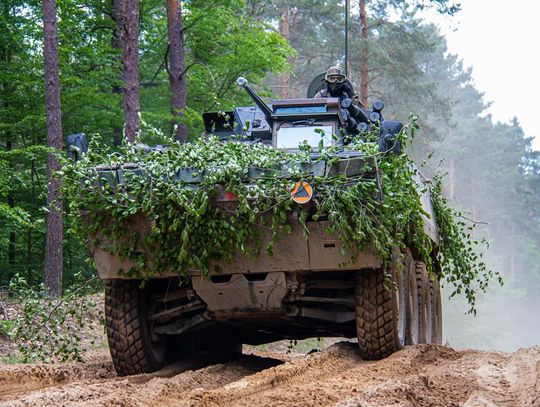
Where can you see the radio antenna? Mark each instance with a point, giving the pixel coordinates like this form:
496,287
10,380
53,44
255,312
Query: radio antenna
346,37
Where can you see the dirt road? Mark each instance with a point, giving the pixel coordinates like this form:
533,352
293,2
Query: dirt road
425,375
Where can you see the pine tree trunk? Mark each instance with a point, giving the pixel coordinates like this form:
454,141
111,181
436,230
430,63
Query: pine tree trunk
176,68
349,59
117,44
364,66
53,218
7,90
285,31
132,104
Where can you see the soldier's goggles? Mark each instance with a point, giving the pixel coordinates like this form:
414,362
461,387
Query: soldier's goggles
335,79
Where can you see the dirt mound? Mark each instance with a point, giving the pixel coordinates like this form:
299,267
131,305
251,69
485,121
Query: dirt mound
425,375
142,390
18,379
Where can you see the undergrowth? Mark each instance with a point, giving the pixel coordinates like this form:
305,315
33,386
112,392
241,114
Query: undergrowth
49,329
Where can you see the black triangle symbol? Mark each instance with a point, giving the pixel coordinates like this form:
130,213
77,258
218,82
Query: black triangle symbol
301,192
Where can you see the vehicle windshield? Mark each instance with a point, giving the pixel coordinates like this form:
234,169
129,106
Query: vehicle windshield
292,137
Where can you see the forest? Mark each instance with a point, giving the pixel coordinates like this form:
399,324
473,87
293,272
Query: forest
155,67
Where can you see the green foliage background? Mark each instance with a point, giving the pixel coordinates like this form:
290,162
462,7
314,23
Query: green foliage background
221,41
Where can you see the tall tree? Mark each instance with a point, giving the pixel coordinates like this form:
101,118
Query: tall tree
289,15
117,45
177,80
380,10
132,104
365,54
53,218
91,68
6,58
315,23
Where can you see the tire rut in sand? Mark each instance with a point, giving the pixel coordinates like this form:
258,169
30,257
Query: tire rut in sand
420,376
426,375
262,387
143,390
18,379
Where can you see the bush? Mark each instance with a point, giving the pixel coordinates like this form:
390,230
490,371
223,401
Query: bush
49,329
6,326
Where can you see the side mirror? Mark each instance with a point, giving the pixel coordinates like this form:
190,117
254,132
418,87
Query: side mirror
76,146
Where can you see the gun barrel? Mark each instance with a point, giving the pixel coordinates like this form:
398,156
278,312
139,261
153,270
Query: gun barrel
362,128
243,83
378,105
349,121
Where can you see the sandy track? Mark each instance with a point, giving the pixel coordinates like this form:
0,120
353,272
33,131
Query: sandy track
20,379
424,375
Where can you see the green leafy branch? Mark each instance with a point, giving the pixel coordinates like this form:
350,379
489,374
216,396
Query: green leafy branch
173,192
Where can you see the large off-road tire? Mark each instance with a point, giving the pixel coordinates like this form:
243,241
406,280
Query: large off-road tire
424,303
413,322
436,311
381,315
133,348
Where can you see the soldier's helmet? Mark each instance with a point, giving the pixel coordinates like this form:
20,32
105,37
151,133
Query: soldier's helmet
335,74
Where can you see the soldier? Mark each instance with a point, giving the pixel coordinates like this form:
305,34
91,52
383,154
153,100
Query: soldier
337,85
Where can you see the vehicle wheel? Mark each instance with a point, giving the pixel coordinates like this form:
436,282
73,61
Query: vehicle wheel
134,349
412,305
436,311
424,303
381,315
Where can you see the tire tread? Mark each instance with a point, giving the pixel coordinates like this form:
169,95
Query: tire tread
124,331
376,323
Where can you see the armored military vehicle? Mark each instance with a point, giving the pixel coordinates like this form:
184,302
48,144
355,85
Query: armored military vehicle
307,288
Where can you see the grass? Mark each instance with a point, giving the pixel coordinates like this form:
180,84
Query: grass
11,360
5,326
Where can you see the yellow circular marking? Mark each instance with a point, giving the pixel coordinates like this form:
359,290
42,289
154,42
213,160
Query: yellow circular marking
302,192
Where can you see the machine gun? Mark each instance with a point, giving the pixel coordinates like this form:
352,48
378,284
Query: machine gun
359,119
